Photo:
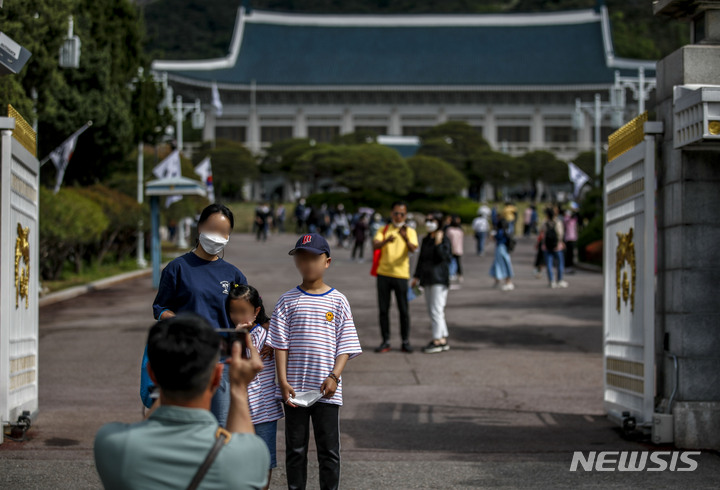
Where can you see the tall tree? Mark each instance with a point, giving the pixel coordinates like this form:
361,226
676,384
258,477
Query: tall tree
111,32
433,177
498,169
544,167
374,167
233,165
457,143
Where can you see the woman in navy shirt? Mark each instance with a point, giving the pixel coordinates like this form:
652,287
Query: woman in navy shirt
199,280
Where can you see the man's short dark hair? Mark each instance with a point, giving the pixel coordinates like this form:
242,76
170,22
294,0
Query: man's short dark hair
182,352
398,203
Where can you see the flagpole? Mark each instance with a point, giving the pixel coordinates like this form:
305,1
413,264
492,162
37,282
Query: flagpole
140,179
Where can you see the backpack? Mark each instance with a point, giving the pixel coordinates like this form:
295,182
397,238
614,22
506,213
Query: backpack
511,242
551,236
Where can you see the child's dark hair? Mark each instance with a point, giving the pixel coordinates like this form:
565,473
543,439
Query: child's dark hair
252,296
216,208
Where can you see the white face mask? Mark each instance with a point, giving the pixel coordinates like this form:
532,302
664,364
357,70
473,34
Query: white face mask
212,243
431,226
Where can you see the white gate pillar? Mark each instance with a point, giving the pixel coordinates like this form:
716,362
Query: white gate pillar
19,228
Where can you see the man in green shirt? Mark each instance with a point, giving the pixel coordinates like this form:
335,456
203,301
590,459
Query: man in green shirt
166,450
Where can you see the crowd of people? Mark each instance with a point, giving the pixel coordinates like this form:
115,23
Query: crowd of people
205,391
556,234
555,242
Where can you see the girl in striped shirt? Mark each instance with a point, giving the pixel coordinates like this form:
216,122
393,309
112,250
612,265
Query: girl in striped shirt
245,310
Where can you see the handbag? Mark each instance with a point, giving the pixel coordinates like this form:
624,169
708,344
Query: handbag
376,255
222,437
511,243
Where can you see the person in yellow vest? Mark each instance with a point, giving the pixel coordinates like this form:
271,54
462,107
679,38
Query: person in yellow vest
396,241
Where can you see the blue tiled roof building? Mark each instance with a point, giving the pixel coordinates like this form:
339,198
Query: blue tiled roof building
515,77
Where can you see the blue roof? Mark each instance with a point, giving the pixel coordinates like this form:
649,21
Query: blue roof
507,50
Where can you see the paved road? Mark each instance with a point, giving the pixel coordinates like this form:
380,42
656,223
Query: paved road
519,391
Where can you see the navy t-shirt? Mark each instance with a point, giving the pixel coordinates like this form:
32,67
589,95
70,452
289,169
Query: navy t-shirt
192,284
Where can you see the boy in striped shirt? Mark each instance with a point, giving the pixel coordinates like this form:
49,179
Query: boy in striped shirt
313,334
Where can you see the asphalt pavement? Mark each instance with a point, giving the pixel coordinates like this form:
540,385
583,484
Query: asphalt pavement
518,392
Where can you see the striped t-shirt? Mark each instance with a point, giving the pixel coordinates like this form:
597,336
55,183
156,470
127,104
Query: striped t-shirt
315,329
264,406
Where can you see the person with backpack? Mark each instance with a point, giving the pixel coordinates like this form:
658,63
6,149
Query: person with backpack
553,246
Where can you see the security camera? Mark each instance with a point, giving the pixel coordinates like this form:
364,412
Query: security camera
12,56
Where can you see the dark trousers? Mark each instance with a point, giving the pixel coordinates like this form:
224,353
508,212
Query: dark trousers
459,264
569,254
385,286
539,257
326,428
359,246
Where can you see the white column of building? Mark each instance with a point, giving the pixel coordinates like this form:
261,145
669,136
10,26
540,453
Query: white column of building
300,127
254,131
490,129
395,128
442,116
253,122
209,129
347,125
536,130
585,134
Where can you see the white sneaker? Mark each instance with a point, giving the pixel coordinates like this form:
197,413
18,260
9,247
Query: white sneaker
508,287
553,285
562,284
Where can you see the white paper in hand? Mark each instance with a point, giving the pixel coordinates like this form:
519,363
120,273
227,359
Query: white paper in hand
306,398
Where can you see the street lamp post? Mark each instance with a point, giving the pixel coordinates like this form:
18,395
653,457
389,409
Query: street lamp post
596,109
140,248
181,110
640,86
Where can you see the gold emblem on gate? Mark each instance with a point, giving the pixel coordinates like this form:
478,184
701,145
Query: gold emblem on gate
22,274
714,128
625,254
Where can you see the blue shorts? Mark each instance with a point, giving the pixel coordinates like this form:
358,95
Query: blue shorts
267,431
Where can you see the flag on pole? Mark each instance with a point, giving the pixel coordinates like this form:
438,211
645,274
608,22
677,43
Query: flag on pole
61,155
169,167
578,178
204,171
216,102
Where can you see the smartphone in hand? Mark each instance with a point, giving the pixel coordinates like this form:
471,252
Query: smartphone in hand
228,336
